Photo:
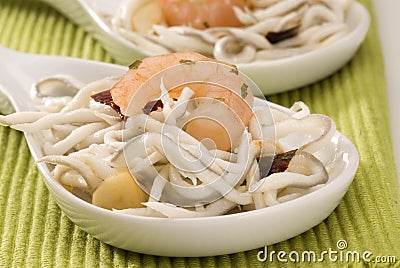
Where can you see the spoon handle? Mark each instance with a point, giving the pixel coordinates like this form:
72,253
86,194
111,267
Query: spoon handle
19,71
11,82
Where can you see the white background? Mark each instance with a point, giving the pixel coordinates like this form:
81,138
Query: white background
388,17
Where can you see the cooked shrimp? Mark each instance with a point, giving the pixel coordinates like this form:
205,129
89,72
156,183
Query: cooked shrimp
163,152
202,14
221,87
234,31
128,86
123,91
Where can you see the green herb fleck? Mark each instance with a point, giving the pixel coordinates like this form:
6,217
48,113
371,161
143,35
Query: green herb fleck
188,62
243,90
234,70
135,64
288,155
206,25
216,100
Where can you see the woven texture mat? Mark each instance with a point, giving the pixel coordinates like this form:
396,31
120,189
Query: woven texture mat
35,233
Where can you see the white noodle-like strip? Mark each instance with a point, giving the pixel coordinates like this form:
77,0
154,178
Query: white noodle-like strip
325,137
264,27
191,145
97,137
267,116
21,118
316,13
165,97
253,175
105,112
258,199
189,31
244,16
206,175
87,173
243,156
53,104
85,168
186,190
180,42
157,115
189,175
176,178
188,157
276,24
224,155
159,183
46,122
264,3
252,38
263,17
301,110
72,178
219,184
138,164
278,9
301,40
114,137
140,212
179,108
297,193
82,98
336,36
186,142
170,210
216,208
60,132
59,170
125,12
270,198
314,125
254,128
284,179
338,7
325,31
101,150
134,212
142,41
192,153
101,167
199,208
290,20
169,117
278,115
72,139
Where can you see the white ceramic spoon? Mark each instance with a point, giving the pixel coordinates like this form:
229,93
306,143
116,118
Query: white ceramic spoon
83,13
18,72
271,76
205,236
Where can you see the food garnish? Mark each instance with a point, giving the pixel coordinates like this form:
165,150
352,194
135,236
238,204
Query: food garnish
190,143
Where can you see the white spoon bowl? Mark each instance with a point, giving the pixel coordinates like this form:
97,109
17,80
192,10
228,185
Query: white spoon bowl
206,236
271,76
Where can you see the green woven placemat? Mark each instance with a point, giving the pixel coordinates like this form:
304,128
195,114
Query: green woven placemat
35,233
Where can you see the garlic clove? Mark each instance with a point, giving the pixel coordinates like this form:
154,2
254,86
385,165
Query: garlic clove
119,191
